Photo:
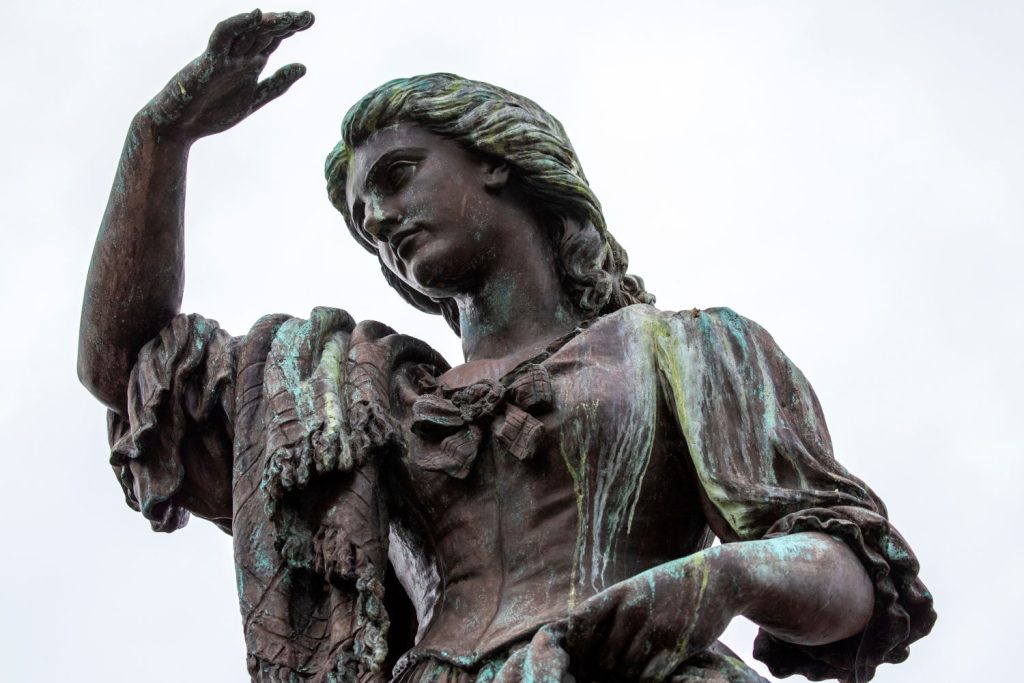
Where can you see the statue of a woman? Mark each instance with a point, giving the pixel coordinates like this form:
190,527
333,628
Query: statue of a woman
544,510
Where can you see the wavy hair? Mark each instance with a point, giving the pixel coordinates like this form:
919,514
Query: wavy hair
493,122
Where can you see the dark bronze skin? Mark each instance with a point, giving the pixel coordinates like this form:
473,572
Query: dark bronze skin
449,224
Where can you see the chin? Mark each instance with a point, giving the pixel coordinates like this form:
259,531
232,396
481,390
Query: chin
436,277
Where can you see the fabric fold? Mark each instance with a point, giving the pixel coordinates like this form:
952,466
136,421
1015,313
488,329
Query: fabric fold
179,397
454,423
300,487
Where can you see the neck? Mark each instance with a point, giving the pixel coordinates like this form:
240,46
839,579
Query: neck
517,310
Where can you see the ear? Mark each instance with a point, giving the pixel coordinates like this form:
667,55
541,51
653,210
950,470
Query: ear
495,174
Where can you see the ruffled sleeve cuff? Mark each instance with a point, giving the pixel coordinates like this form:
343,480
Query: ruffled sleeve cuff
903,606
178,404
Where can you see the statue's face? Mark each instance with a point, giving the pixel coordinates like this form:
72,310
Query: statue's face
435,212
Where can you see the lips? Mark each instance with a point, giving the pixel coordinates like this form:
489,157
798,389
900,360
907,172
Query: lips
401,237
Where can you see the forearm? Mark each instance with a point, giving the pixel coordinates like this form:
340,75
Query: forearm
136,277
805,588
135,281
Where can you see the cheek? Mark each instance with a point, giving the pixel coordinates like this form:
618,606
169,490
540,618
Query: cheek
444,198
419,204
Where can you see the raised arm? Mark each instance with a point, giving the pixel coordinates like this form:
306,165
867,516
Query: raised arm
136,276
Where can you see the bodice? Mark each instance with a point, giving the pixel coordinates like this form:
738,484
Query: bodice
491,550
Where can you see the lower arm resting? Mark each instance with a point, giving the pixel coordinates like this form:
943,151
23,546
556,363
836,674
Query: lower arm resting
805,588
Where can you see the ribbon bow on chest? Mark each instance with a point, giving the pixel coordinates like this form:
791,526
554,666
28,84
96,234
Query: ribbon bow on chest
452,422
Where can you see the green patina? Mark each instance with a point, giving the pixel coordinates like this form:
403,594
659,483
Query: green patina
895,551
622,462
576,462
291,339
699,563
681,373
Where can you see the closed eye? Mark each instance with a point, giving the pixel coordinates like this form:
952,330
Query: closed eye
396,175
393,170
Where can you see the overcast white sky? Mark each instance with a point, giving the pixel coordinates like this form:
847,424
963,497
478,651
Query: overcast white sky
847,174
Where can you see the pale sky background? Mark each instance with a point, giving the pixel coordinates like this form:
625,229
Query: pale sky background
847,174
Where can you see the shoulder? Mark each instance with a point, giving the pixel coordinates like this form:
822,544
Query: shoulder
647,317
716,335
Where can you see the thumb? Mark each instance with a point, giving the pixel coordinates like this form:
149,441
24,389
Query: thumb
278,84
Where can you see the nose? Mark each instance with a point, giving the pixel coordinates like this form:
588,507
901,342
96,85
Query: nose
381,221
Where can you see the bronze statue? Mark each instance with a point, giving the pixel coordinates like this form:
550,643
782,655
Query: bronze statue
543,511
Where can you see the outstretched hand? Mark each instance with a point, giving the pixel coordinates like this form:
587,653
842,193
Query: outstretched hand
221,87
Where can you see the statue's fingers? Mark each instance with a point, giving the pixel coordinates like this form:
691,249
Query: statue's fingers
278,84
588,622
589,614
287,476
243,44
512,670
268,48
368,331
284,24
659,666
266,43
628,643
290,21
547,661
228,30
272,39
270,36
302,470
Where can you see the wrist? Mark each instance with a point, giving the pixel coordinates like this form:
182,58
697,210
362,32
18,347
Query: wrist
735,582
760,578
151,126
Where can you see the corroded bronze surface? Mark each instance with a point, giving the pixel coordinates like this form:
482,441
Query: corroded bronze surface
541,512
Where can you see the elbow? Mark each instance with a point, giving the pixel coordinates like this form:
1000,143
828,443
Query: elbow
843,604
808,589
852,613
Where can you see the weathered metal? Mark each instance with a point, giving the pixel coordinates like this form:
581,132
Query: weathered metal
543,510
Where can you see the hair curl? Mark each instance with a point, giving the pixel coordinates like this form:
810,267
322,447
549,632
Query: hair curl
493,122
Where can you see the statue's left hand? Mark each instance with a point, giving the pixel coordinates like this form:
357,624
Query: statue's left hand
645,627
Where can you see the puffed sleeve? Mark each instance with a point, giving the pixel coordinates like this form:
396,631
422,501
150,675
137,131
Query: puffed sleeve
759,445
172,452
